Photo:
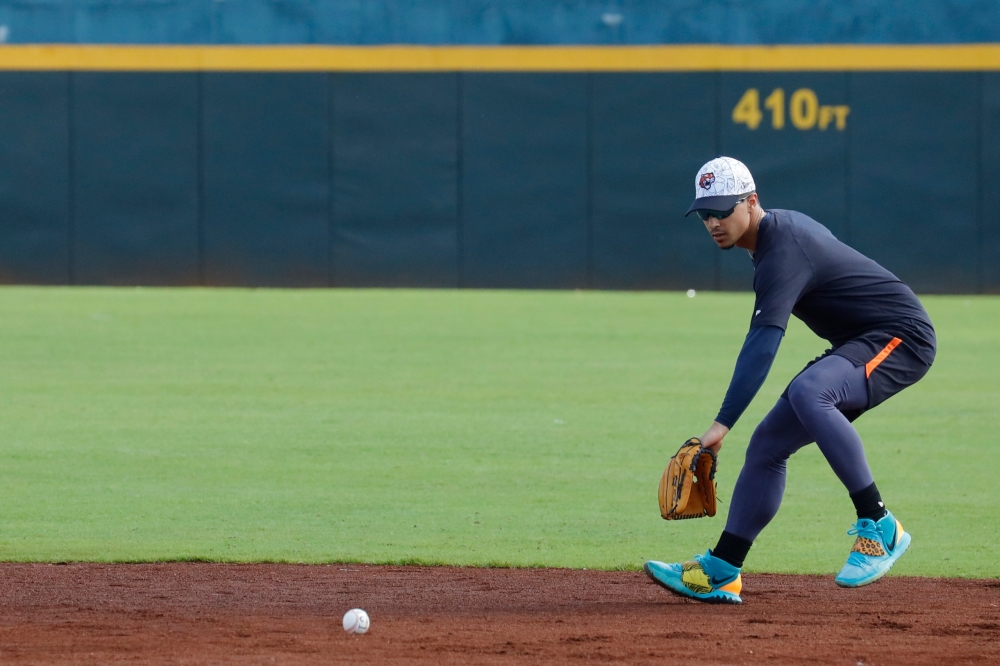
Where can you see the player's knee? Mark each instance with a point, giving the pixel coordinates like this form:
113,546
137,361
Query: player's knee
762,459
804,393
808,394
764,449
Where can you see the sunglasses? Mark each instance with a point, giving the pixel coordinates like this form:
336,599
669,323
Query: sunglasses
703,214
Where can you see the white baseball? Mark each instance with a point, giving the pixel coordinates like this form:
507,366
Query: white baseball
692,293
356,621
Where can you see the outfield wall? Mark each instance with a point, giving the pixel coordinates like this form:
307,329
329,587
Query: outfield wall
483,179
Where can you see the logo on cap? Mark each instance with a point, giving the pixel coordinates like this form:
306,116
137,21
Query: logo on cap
706,180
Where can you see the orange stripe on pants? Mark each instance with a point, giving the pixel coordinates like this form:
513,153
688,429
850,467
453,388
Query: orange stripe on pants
881,356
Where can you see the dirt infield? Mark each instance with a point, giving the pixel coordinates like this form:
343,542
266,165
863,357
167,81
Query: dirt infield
290,614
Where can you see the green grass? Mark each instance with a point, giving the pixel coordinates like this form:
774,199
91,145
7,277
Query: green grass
514,428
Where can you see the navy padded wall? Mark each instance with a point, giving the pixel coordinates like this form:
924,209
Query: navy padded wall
989,216
524,180
395,180
34,178
482,180
266,179
798,168
135,165
650,133
914,165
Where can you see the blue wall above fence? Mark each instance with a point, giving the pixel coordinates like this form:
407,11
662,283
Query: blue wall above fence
499,21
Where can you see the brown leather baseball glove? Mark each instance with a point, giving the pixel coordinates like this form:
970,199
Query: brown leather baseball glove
687,487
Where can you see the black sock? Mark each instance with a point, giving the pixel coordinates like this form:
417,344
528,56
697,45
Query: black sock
868,503
732,549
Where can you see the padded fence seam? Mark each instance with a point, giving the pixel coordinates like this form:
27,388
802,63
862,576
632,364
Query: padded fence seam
71,179
331,178
980,171
200,167
589,221
459,180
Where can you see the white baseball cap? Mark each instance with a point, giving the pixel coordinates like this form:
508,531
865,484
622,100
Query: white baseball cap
720,184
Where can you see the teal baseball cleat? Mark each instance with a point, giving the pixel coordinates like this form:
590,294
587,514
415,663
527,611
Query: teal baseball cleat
705,578
878,546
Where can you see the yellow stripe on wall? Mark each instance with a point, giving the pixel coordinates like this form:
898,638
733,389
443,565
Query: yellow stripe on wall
696,58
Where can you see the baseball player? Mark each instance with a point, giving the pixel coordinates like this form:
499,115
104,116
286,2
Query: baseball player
882,341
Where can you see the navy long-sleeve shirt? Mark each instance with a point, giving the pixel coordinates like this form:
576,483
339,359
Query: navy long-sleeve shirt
801,269
752,366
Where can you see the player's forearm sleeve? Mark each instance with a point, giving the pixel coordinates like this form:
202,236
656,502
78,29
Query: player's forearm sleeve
752,366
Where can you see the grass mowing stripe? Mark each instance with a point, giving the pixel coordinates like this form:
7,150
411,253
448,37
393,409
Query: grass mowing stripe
459,427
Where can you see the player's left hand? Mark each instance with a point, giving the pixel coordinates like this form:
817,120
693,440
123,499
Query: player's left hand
712,439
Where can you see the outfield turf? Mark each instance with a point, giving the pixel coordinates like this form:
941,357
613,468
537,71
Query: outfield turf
460,427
